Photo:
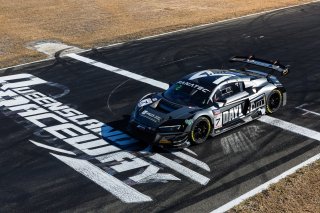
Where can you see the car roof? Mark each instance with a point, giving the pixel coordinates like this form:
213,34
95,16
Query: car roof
213,77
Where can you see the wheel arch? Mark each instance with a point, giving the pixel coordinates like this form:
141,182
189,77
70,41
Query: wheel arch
274,91
206,116
207,113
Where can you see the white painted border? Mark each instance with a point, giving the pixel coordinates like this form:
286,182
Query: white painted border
24,64
291,127
264,186
176,31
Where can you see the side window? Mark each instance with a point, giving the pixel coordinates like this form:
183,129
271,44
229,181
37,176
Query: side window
226,91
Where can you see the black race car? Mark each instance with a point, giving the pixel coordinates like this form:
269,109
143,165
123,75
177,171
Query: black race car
209,102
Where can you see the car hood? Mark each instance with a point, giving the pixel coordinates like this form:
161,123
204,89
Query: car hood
161,111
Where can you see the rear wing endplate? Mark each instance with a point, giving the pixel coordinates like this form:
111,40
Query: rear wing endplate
274,65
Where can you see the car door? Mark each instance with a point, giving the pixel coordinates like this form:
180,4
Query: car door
232,101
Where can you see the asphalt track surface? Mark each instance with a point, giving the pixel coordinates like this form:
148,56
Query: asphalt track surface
34,180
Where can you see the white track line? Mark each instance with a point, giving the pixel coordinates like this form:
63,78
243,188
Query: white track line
264,186
307,111
121,190
266,119
25,64
181,169
190,151
52,148
119,71
176,31
291,127
192,160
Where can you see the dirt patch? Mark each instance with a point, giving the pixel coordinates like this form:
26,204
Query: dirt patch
299,192
98,22
50,48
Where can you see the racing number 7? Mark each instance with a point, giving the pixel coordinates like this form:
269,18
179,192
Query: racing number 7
218,121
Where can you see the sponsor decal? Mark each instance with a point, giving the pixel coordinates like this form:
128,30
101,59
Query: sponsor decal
151,116
195,86
146,102
217,119
232,113
257,104
87,145
216,111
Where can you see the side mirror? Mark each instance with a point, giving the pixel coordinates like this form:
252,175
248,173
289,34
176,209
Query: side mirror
220,104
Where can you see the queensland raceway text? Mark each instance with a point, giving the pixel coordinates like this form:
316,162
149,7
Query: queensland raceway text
88,145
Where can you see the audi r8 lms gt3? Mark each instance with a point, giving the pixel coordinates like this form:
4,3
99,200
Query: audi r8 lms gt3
209,102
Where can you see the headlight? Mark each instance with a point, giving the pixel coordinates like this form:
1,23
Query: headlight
174,128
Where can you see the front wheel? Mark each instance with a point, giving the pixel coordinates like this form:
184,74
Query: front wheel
274,101
200,130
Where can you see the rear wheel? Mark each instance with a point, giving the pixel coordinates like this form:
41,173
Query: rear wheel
200,130
274,101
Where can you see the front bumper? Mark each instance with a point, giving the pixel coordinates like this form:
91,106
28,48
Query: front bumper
172,140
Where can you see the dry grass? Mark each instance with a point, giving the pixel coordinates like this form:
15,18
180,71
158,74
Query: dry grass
299,192
87,23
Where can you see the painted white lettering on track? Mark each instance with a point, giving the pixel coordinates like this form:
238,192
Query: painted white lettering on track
84,134
119,189
181,169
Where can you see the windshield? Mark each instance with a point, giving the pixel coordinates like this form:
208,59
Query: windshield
187,93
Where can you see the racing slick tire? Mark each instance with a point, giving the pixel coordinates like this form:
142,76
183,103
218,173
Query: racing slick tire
200,130
274,101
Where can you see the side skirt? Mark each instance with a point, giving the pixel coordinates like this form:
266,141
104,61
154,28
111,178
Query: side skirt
254,116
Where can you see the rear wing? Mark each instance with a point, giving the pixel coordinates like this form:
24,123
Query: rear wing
273,65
